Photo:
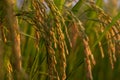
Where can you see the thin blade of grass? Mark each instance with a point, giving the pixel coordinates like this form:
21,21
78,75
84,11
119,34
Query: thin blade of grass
59,3
76,8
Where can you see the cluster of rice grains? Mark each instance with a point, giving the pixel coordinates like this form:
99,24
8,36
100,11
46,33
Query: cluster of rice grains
80,30
50,25
112,36
51,31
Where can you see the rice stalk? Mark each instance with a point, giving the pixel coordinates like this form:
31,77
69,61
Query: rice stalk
59,21
73,34
37,39
89,58
100,44
51,61
49,36
13,29
112,35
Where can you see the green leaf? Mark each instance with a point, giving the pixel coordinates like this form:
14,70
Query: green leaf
59,3
76,8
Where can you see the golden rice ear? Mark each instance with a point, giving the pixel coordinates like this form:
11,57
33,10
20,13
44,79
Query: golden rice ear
4,39
100,43
60,37
89,58
52,35
112,35
49,36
